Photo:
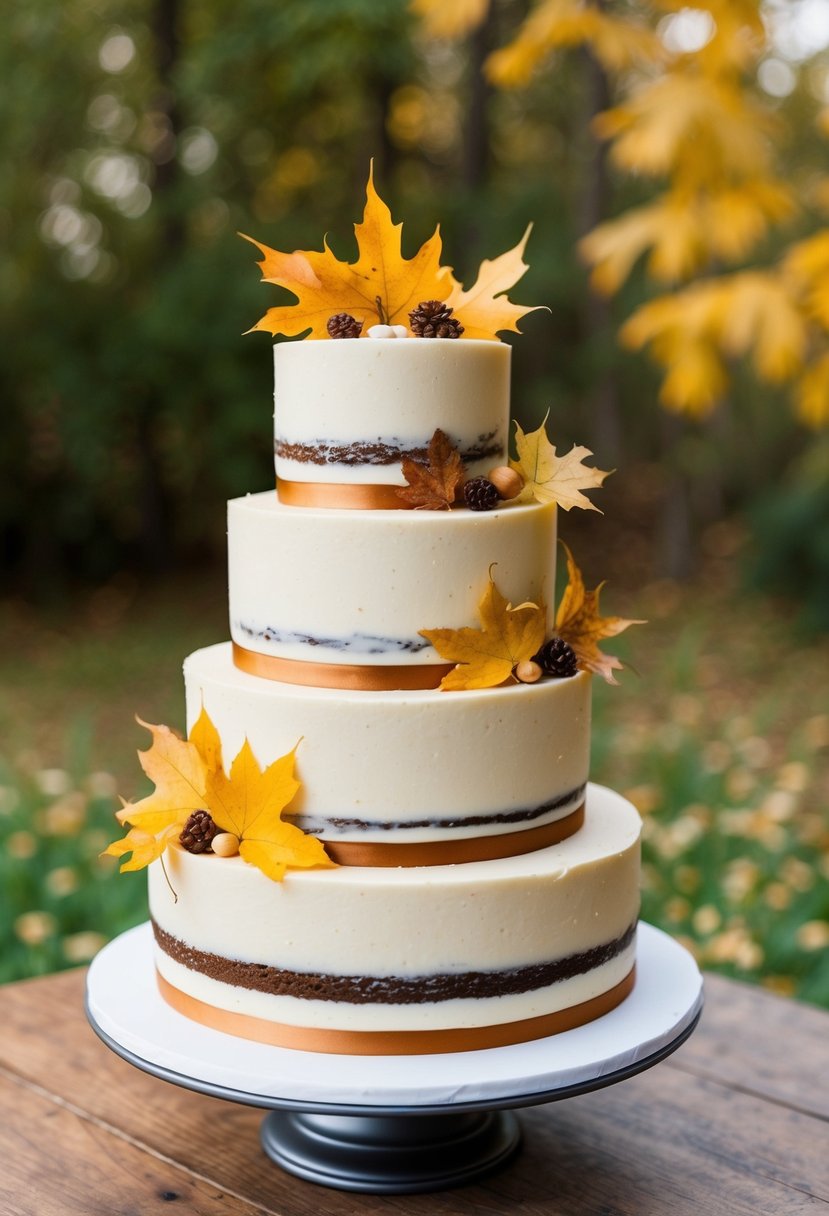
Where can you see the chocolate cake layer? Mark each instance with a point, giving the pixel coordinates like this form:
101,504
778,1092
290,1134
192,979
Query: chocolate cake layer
390,990
379,452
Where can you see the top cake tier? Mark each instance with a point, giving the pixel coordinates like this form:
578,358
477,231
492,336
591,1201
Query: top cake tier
348,411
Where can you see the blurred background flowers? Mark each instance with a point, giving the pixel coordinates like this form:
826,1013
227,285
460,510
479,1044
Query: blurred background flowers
673,159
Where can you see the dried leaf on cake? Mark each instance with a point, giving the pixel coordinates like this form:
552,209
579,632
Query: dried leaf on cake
249,803
578,622
552,478
325,286
484,309
433,484
486,656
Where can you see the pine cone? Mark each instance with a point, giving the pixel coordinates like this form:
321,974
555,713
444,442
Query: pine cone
343,325
557,658
480,494
198,832
433,319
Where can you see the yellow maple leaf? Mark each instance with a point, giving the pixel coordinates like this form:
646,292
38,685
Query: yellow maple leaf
144,846
178,769
249,803
552,478
442,20
324,285
484,309
812,394
579,624
707,129
486,657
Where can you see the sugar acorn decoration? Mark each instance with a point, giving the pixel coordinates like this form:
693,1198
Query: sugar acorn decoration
225,844
528,671
508,482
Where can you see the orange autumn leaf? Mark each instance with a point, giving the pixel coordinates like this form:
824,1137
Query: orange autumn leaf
249,803
324,285
578,622
384,287
434,483
486,656
484,309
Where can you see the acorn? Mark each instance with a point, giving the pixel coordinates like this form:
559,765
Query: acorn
508,482
526,671
226,844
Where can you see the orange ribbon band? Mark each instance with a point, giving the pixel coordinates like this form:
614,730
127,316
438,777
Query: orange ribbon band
393,1042
341,496
361,677
452,852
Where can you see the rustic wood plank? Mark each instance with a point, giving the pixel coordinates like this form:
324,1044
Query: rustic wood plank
56,1163
762,1043
670,1141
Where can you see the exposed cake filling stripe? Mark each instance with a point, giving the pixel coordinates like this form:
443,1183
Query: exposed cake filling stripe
361,643
391,989
379,452
318,823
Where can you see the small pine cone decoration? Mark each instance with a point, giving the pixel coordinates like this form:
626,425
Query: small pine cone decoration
198,832
343,325
433,319
557,658
480,494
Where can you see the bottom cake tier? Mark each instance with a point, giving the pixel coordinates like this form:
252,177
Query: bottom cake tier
396,961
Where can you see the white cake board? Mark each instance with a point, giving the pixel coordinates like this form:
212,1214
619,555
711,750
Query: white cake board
126,1009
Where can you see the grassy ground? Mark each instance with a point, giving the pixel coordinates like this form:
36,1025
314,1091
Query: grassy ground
720,737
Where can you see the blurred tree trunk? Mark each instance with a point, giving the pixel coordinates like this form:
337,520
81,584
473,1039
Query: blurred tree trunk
596,317
675,524
156,537
476,136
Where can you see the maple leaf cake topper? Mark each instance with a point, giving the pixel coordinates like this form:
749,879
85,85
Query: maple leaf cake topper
384,287
247,805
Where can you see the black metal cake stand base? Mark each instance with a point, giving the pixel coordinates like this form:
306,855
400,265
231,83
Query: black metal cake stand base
397,1124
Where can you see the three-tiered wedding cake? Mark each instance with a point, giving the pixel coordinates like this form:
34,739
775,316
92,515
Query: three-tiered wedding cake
474,891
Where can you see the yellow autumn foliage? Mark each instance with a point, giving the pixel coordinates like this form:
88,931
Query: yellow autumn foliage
693,119
618,43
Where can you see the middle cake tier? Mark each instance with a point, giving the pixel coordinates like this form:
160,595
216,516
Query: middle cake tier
411,777
315,592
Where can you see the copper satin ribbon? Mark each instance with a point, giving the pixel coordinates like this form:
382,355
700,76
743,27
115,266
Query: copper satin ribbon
344,497
392,1042
451,852
357,677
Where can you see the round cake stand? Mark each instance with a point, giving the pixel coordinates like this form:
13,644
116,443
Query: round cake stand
392,1124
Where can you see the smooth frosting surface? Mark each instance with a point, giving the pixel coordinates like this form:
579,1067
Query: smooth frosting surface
330,586
489,917
428,764
347,410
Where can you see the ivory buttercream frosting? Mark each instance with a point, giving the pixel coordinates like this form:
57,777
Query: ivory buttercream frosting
347,412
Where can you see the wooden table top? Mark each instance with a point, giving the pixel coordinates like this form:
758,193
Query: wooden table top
734,1123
